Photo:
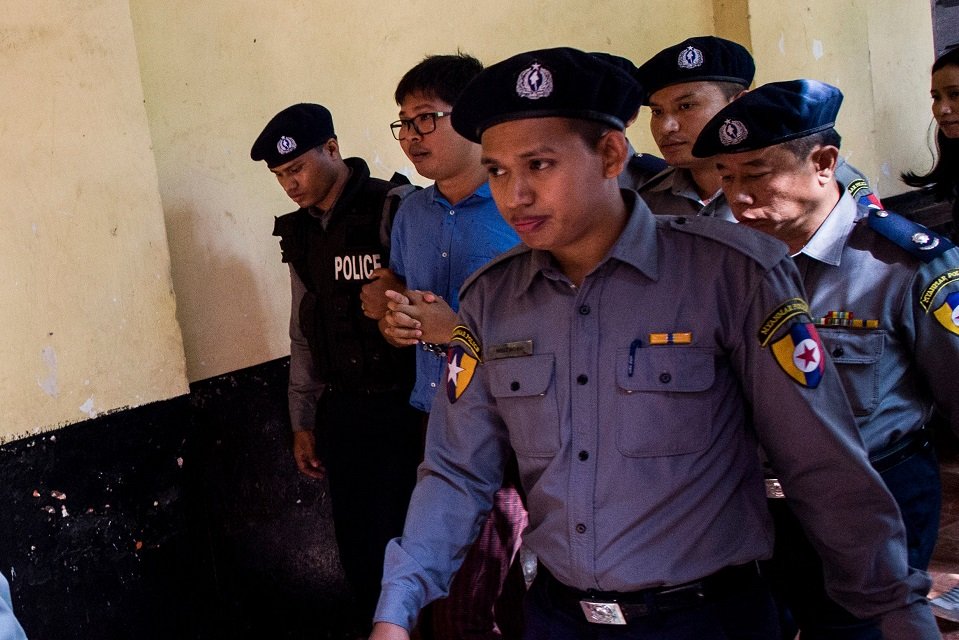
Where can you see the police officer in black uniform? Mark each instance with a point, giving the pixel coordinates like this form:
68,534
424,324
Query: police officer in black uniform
345,380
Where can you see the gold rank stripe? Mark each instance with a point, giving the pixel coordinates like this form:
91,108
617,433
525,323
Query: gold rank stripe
683,337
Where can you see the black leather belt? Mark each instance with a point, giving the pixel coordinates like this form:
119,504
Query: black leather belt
901,450
612,607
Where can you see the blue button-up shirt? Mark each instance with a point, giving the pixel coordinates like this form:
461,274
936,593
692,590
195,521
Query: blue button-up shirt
436,246
896,358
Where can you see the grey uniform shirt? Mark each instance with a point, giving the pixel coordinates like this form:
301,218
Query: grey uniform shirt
895,357
673,192
639,460
305,387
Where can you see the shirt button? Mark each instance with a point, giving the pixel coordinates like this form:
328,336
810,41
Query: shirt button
584,310
433,384
582,378
665,378
838,352
581,528
584,455
445,255
452,213
514,385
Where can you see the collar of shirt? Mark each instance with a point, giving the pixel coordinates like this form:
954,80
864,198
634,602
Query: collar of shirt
635,246
678,181
827,243
482,192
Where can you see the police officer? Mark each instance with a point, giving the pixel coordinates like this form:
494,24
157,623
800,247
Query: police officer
685,85
346,382
884,295
635,433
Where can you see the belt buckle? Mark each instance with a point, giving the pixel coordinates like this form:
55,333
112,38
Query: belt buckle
774,489
602,612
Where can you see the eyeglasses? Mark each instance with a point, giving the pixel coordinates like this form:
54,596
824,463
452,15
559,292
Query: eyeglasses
422,124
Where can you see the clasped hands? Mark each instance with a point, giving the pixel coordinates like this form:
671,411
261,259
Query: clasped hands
406,316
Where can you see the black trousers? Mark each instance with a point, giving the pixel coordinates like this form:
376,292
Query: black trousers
371,445
795,571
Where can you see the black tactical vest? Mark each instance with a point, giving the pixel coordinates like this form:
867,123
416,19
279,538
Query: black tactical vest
349,352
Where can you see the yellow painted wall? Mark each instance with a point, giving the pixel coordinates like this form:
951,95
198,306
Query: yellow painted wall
215,71
126,129
878,52
86,304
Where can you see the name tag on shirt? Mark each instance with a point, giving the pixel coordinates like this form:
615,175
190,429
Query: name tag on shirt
510,350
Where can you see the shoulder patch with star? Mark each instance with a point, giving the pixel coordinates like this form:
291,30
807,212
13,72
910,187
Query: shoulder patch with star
462,358
799,351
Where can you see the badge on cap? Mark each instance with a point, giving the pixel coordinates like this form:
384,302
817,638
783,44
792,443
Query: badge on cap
690,58
948,313
534,82
285,145
732,132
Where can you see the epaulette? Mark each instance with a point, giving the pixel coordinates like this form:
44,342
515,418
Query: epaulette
647,164
501,258
919,241
762,248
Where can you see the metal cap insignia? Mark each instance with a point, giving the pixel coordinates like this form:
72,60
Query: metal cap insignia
285,145
534,83
690,58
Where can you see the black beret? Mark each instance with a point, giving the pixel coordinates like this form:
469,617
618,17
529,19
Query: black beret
704,58
561,82
621,63
292,132
773,113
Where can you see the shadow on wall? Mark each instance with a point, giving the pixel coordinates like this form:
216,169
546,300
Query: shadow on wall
218,302
182,519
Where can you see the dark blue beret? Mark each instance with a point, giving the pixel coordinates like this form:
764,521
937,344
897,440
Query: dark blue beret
773,113
292,132
704,58
561,82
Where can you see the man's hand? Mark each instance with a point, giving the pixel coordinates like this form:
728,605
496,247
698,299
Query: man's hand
419,315
388,631
304,452
372,296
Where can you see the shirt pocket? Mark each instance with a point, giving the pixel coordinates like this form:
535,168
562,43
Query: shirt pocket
525,394
666,405
856,355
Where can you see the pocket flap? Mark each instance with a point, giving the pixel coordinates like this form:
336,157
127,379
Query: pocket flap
519,377
665,369
852,347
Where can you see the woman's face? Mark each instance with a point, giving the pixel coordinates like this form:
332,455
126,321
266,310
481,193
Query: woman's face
945,100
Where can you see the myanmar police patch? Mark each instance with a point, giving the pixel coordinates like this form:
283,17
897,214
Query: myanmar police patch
461,359
948,313
800,354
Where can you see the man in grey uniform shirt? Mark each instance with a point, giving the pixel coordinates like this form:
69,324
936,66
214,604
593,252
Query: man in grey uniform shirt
884,295
636,433
685,85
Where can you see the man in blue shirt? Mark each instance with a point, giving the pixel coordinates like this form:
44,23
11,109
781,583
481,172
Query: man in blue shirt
440,236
